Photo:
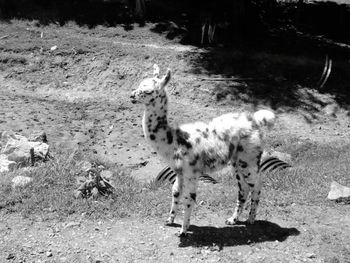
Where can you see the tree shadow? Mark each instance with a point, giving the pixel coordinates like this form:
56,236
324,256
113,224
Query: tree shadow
84,13
240,234
273,70
276,67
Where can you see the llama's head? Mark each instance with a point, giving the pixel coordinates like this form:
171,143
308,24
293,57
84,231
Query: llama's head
151,89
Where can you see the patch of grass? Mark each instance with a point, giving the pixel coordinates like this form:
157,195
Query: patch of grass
12,60
51,193
315,166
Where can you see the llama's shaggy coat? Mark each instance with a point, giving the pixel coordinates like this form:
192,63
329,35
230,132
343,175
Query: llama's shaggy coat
233,139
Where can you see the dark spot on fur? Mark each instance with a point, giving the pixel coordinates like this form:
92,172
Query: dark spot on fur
231,150
205,135
172,212
243,164
240,197
169,137
239,186
182,138
251,185
208,161
152,137
215,132
188,206
234,164
259,160
240,148
198,140
176,194
194,161
237,177
193,196
176,202
198,130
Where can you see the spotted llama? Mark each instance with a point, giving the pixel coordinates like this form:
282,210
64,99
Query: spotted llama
233,140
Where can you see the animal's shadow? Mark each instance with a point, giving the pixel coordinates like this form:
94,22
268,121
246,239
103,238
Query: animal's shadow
239,234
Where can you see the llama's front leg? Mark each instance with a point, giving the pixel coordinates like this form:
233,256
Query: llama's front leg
243,191
176,195
255,196
189,195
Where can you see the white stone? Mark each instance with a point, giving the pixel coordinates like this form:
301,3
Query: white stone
21,181
5,164
338,191
107,175
17,147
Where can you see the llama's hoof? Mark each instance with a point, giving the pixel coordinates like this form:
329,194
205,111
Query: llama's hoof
231,221
169,222
181,234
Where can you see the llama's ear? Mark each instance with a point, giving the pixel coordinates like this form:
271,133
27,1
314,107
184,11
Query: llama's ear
164,81
155,71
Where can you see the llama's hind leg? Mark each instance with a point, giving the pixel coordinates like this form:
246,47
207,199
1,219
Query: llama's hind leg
248,164
176,195
243,191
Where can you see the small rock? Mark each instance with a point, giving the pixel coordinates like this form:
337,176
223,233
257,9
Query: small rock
10,256
311,255
53,48
49,254
38,137
21,181
331,109
338,191
107,175
5,164
71,224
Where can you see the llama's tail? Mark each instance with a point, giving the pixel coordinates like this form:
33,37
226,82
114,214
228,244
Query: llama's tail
264,118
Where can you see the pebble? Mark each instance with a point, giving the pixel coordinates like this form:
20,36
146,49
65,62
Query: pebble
49,254
10,256
310,255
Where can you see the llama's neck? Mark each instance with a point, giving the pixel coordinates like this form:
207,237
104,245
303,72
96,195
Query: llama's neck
157,130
